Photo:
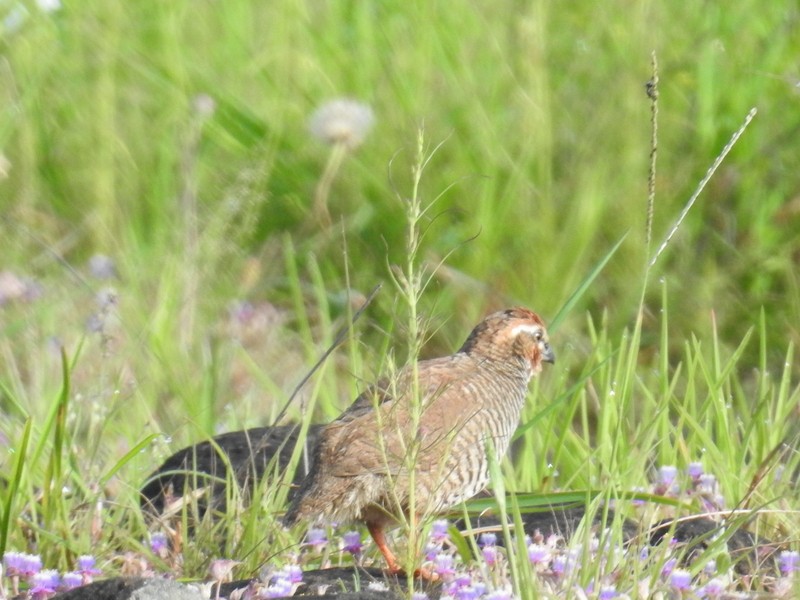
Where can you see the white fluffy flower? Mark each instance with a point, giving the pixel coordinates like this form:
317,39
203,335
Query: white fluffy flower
342,121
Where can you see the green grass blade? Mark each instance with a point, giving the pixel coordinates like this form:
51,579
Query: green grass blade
14,484
126,458
583,286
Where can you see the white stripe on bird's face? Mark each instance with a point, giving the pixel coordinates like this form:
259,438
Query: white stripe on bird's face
526,328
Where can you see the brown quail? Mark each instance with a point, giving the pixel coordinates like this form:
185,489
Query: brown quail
362,463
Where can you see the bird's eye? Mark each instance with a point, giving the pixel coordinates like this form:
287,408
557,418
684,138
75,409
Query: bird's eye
538,336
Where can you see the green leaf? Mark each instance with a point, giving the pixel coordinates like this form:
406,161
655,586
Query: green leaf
532,503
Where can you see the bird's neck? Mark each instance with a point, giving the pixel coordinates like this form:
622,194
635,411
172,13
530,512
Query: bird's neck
517,368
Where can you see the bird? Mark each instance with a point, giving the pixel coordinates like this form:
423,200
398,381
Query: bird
420,442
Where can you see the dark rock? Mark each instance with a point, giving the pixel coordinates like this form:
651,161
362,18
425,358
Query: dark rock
348,583
251,453
558,519
133,588
750,553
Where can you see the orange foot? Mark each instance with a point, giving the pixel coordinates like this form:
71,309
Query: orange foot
426,574
394,568
422,573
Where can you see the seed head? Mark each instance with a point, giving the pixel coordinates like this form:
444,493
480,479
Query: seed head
342,121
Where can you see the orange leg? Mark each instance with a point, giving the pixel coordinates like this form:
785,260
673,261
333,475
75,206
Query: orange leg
376,531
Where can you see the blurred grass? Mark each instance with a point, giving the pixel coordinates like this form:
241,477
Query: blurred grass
172,137
102,104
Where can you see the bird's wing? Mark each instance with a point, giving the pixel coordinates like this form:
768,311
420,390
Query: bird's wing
367,401
374,434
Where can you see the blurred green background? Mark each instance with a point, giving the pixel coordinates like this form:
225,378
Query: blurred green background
172,138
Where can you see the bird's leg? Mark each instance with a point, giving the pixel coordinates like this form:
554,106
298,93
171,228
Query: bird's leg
376,531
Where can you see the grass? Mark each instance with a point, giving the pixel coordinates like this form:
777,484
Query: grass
172,139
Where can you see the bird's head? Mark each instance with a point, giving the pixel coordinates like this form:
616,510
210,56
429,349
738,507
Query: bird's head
512,333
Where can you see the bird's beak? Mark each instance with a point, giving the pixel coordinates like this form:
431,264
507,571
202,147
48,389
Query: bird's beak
547,354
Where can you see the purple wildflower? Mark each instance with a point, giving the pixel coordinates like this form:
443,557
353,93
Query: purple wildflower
86,564
695,470
666,479
45,583
559,564
789,562
19,564
439,532
504,594
431,550
607,592
444,566
316,538
667,475
467,593
86,567
71,580
706,483
489,554
279,587
538,554
158,544
681,580
487,542
668,567
714,588
352,542
293,573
